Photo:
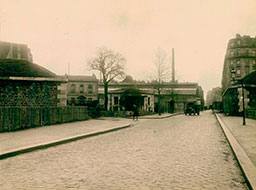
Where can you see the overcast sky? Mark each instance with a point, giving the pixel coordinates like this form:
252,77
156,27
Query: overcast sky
59,32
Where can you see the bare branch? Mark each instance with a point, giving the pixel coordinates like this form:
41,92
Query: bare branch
162,72
109,63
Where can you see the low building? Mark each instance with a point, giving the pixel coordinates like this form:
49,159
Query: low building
81,89
173,95
27,84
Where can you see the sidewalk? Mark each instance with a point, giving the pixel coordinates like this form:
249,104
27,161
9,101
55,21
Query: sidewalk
156,116
242,139
17,142
13,143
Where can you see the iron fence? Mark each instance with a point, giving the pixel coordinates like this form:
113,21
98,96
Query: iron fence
251,113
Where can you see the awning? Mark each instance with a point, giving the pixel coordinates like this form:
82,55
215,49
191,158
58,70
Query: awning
248,79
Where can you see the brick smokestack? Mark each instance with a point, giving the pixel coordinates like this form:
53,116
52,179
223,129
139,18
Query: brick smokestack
173,68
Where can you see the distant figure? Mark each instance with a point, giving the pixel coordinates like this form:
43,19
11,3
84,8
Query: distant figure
135,113
197,109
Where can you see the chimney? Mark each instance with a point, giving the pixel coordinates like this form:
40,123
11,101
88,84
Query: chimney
173,68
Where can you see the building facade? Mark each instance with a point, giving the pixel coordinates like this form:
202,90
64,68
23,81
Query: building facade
240,60
81,89
173,96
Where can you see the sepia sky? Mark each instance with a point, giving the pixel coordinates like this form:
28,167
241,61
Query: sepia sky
59,32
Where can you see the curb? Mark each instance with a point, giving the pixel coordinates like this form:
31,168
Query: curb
159,117
247,167
27,149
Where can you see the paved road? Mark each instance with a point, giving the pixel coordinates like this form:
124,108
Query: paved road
183,152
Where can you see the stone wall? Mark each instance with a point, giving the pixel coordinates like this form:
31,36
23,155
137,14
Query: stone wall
28,93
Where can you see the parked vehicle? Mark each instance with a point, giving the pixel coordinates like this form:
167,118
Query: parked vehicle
192,107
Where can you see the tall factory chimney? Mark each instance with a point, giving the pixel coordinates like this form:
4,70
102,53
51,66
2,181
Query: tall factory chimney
173,68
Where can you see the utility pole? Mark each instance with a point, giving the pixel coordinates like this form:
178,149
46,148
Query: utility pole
173,68
243,102
173,81
68,68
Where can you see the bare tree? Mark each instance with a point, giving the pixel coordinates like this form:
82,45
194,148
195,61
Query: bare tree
214,95
162,72
110,64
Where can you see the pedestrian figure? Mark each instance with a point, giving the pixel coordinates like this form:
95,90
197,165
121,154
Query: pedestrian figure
135,112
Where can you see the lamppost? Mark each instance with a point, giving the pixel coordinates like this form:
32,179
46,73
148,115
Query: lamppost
242,83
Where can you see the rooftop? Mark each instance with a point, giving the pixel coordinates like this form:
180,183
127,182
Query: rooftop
22,68
81,78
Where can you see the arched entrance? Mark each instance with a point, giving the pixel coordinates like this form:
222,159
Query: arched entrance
81,100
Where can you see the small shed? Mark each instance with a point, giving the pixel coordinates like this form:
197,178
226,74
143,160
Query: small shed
27,84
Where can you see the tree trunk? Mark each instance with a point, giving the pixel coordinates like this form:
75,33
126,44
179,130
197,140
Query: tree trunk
106,95
159,107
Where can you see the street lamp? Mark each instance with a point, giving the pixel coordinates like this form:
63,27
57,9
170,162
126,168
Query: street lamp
242,83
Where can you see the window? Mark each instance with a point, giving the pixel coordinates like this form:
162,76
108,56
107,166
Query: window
238,42
73,88
253,53
148,100
90,89
115,100
238,63
238,52
231,53
247,70
254,65
81,88
233,73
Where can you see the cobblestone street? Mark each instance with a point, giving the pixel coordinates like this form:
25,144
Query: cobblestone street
182,152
